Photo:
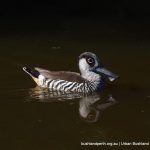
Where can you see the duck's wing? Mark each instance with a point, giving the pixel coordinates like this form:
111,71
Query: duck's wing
61,75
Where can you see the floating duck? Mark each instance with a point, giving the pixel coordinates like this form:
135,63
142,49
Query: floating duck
92,76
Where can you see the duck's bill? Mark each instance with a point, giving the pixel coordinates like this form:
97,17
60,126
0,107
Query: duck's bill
111,76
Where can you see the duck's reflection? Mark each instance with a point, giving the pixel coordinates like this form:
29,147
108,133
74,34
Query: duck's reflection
47,95
90,106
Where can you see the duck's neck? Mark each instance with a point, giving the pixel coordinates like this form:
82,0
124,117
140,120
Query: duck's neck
91,76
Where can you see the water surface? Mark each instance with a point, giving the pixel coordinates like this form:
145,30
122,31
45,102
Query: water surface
31,118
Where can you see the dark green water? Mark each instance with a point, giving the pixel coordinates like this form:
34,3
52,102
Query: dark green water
34,119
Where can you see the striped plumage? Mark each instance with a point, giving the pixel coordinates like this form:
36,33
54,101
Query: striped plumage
62,85
90,80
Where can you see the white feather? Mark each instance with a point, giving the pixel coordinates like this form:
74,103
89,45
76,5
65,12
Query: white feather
87,73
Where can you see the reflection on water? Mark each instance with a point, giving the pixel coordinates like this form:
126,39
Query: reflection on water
90,106
45,95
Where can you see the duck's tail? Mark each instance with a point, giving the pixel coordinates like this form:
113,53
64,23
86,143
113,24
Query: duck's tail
32,73
36,76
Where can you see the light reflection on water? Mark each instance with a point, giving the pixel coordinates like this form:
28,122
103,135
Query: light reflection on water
90,106
45,95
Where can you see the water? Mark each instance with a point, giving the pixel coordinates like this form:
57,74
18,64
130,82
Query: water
32,118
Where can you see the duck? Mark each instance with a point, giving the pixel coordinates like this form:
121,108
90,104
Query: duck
93,76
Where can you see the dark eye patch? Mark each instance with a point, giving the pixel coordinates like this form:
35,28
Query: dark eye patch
90,61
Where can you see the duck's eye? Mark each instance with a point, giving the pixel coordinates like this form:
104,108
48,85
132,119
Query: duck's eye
90,61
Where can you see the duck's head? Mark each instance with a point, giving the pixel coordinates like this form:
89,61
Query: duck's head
89,63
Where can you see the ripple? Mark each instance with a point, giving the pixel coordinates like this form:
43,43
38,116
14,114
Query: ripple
46,95
90,106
